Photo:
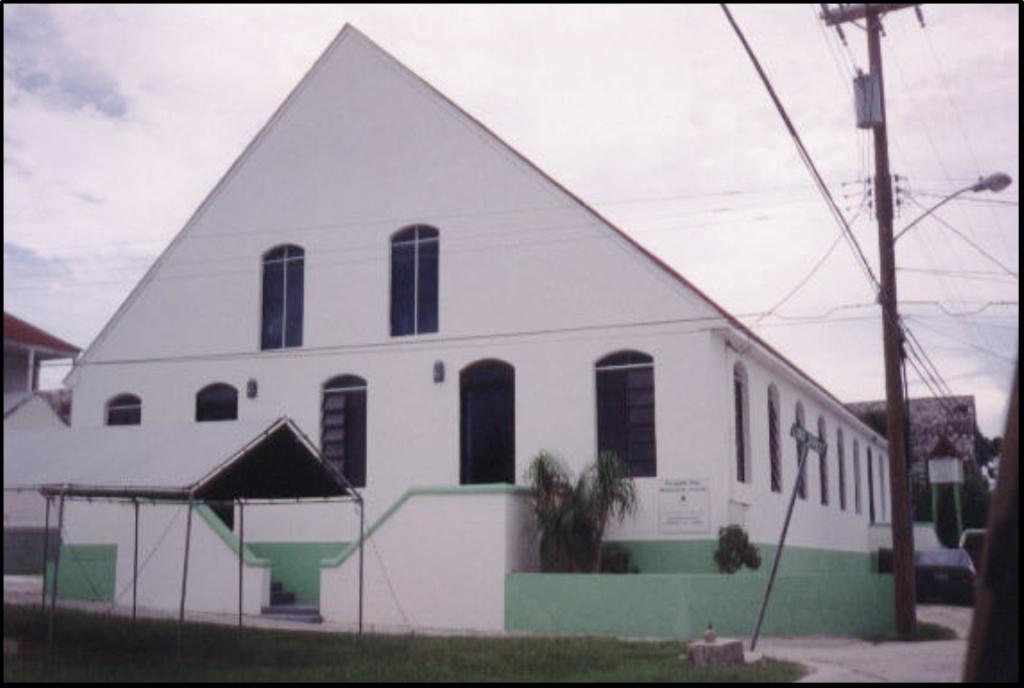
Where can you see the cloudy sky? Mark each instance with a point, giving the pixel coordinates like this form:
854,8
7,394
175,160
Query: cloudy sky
118,120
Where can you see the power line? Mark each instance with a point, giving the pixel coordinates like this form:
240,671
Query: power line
967,240
804,155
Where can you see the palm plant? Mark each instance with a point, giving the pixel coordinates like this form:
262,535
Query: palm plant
572,518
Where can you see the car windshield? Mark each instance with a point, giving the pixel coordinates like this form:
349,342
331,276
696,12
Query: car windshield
943,557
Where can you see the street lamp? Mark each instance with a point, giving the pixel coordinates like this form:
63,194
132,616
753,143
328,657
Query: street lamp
994,182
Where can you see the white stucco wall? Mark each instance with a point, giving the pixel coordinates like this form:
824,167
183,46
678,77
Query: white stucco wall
439,562
24,508
305,521
213,566
527,276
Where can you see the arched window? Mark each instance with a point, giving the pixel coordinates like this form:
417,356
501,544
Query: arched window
283,294
487,400
774,439
343,426
881,487
625,410
124,409
841,461
414,274
801,484
856,477
823,461
742,421
871,489
218,401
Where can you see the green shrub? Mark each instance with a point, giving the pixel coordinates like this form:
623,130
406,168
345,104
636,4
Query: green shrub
735,551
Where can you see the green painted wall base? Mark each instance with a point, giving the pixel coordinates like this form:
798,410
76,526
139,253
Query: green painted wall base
87,572
697,556
680,606
296,565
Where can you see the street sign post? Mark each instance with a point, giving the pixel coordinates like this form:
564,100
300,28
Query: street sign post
805,441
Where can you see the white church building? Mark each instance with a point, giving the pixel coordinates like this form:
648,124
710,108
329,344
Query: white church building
382,284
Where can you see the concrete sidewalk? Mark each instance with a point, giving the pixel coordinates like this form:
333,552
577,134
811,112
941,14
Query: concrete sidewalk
849,660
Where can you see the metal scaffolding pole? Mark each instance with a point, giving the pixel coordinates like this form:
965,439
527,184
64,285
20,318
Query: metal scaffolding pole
184,577
241,549
56,575
46,549
135,564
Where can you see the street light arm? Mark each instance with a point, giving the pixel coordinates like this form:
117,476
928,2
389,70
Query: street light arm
931,210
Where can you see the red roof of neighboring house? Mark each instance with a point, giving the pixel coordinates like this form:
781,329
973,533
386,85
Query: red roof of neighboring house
18,330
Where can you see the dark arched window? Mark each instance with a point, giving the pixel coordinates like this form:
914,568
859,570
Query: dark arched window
625,410
801,479
218,401
124,409
283,294
741,407
343,426
774,439
414,274
823,461
881,487
841,460
871,488
487,391
856,477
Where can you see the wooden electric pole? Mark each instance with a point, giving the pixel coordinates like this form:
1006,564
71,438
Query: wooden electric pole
902,528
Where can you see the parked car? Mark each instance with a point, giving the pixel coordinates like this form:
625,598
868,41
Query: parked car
944,575
972,541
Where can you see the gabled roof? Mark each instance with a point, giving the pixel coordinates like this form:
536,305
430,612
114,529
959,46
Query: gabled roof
21,332
349,31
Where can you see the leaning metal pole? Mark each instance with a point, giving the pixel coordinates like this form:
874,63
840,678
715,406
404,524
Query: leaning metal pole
362,536
782,541
241,549
135,563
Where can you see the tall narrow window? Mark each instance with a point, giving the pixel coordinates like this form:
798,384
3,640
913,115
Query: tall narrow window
218,401
283,285
487,391
856,476
343,426
881,487
871,489
801,479
841,461
774,441
414,275
739,385
124,409
823,461
625,410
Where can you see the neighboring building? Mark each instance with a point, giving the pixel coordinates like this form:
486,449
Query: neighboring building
25,348
380,272
932,419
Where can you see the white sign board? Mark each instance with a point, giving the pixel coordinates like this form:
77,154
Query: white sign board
944,471
684,506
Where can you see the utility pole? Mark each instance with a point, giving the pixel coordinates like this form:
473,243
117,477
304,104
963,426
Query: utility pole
902,530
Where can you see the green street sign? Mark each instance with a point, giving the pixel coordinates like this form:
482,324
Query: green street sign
803,437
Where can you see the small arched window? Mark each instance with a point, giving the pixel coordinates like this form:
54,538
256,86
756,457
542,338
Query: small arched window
841,461
801,484
414,275
218,401
283,296
741,407
881,487
774,439
124,409
625,410
823,461
343,426
871,488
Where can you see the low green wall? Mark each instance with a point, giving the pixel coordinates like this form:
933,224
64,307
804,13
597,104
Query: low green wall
697,556
296,565
87,572
680,606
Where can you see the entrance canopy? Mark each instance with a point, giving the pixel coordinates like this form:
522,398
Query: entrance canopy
211,461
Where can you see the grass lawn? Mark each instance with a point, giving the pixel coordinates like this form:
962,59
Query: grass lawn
924,631
91,647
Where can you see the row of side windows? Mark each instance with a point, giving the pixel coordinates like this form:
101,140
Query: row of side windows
741,405
625,417
415,264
